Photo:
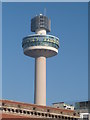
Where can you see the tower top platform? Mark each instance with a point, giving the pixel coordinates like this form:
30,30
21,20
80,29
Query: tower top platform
40,22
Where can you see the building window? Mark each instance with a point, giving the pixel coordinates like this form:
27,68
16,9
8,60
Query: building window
19,106
28,112
31,113
85,117
34,108
48,110
65,118
39,114
8,110
17,111
62,117
42,114
49,115
20,111
5,109
45,115
12,110
3,104
59,117
24,112
55,116
35,113
61,112
74,114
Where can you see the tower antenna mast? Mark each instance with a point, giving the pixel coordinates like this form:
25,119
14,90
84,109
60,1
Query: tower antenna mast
45,11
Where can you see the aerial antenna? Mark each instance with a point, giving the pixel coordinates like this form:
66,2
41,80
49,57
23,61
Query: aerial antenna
45,11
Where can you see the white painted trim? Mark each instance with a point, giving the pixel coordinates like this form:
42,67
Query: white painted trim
41,47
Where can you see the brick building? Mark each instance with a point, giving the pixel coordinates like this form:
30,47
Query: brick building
13,109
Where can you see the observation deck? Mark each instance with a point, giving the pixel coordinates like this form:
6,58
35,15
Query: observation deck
40,45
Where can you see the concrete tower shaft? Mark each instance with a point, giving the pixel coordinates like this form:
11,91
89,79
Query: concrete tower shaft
40,81
41,31
40,46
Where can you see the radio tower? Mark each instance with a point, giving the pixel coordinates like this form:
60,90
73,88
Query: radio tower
40,46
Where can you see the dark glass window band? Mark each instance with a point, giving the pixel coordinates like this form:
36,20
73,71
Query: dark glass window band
40,40
40,43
